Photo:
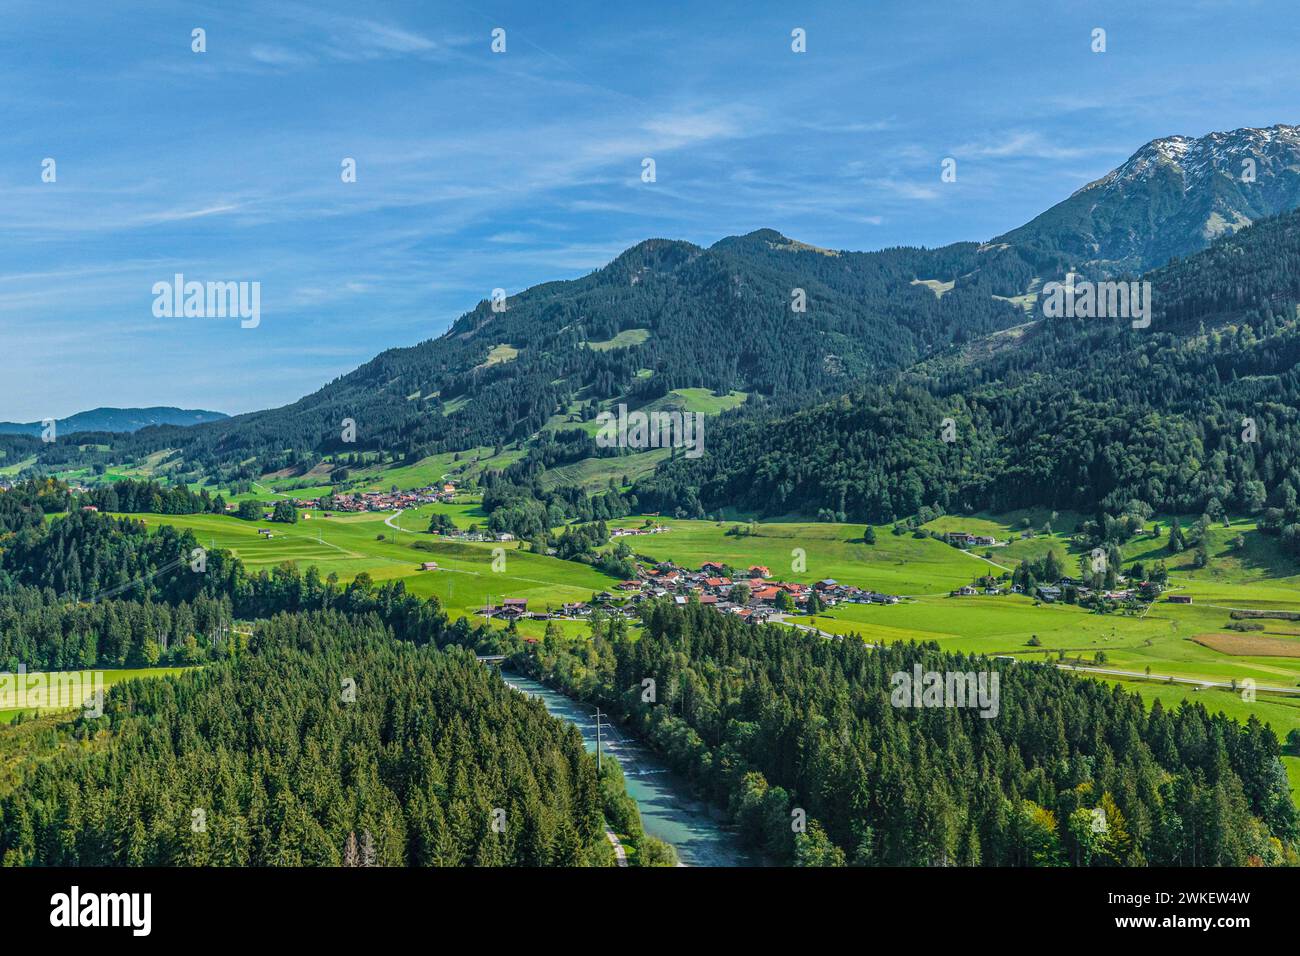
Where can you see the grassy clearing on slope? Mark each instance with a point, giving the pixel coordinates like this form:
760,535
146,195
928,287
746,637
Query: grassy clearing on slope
458,467
936,286
18,466
624,339
595,474
500,354
698,400
111,676
894,564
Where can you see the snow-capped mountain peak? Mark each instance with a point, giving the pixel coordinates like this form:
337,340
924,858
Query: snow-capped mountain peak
1171,197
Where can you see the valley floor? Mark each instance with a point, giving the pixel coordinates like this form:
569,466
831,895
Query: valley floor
1166,640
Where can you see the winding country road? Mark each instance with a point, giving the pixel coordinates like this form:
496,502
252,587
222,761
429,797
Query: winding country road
980,557
1167,678
619,852
389,521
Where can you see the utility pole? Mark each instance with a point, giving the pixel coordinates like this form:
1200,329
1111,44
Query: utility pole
597,715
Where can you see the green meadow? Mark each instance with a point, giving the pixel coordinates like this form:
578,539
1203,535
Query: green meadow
469,574
594,474
810,551
12,469
458,467
111,676
1158,642
623,339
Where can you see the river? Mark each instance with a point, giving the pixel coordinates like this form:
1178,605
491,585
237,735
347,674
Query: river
669,811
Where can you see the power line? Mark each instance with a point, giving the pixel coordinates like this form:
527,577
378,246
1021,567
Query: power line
598,715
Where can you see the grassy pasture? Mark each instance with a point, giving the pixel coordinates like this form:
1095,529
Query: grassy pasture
594,474
348,545
894,564
10,469
1162,639
698,400
111,676
624,339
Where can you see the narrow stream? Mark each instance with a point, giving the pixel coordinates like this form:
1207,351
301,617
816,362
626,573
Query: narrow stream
669,811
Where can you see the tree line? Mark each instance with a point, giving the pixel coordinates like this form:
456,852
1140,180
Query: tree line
1196,411
780,726
326,734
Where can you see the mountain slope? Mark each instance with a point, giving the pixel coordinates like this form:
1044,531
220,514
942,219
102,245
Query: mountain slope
1171,198
664,315
1076,414
117,420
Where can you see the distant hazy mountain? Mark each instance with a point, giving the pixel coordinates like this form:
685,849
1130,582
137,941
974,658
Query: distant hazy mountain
117,420
1171,198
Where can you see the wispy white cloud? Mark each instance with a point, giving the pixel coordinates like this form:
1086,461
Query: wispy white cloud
1061,143
180,215
478,170
271,54
904,189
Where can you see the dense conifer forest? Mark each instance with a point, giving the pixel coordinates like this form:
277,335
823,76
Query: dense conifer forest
1078,413
87,589
326,742
768,723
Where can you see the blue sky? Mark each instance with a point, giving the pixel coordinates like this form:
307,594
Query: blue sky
478,170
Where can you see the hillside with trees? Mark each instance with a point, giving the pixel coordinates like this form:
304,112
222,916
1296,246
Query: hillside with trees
1195,414
327,743
720,318
1070,772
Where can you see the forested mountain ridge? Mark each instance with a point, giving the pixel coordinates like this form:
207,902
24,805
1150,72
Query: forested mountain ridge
787,324
116,420
720,318
1075,413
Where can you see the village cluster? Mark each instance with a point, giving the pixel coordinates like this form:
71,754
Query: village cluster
384,500
749,593
1065,588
